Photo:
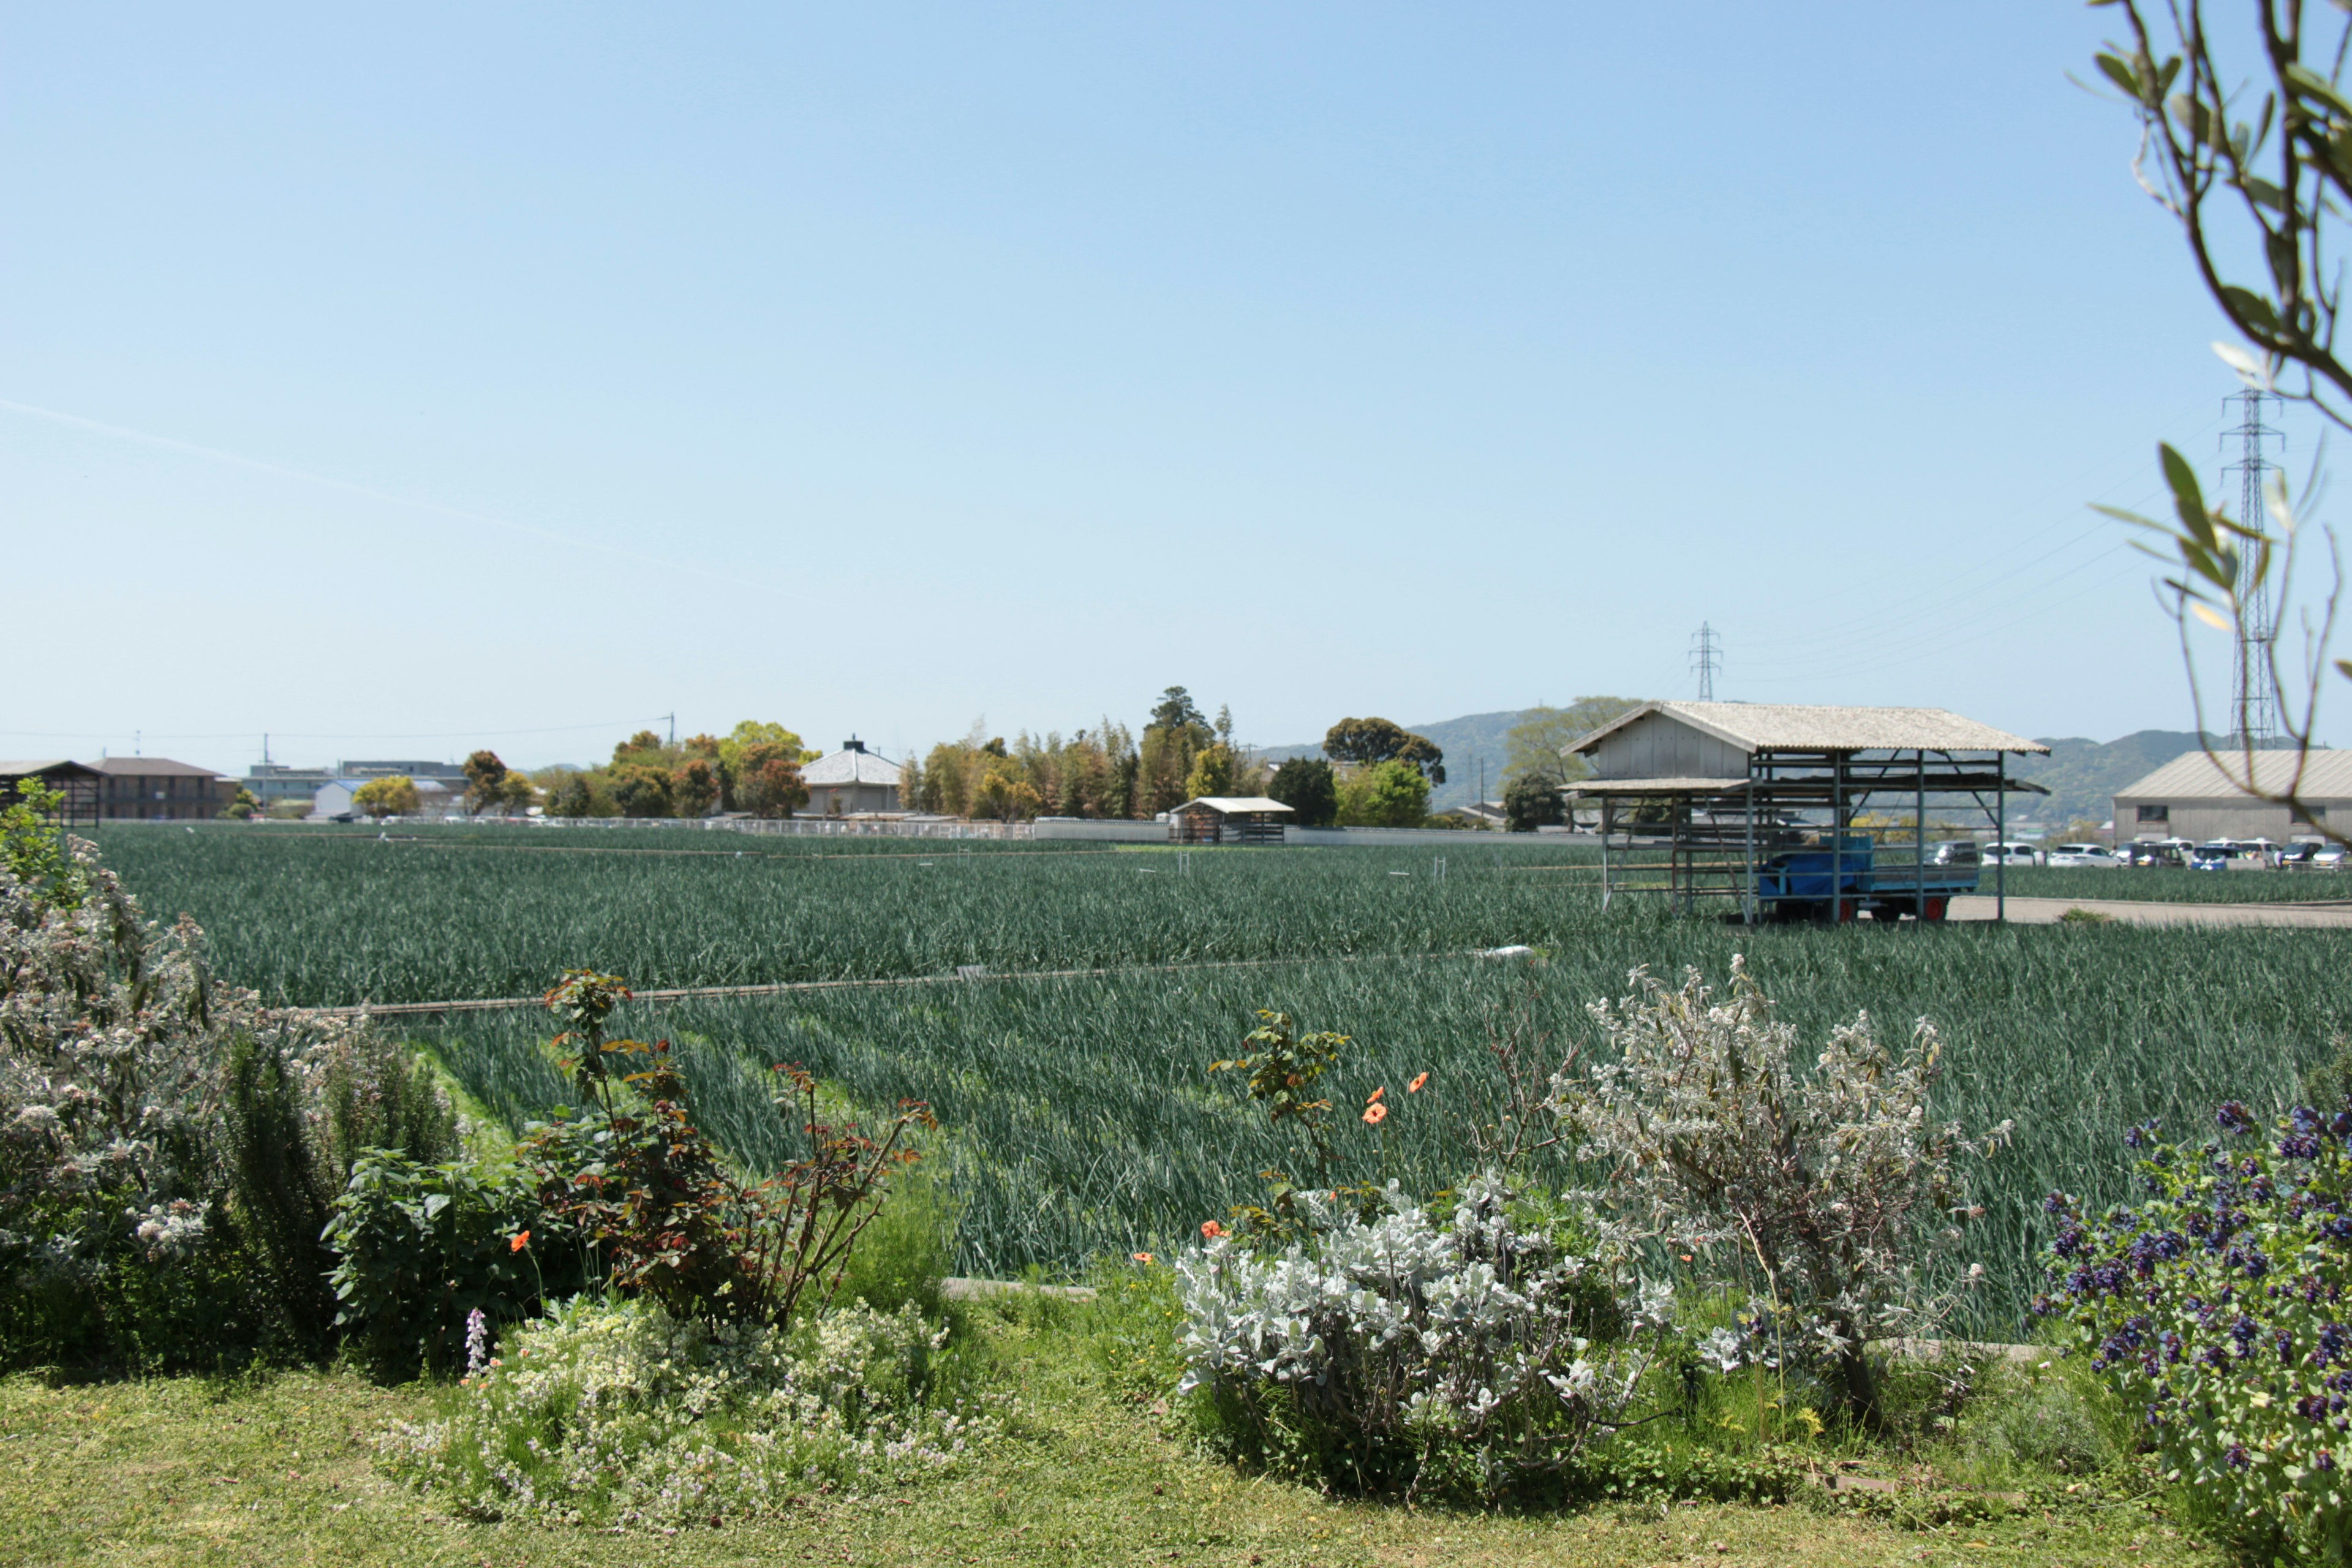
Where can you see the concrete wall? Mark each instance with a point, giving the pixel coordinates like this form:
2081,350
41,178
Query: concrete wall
1092,831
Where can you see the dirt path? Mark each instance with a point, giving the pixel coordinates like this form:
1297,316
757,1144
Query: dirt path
2330,914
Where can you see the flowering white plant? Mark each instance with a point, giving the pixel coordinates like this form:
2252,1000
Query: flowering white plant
1826,1183
1404,1334
118,1121
614,1412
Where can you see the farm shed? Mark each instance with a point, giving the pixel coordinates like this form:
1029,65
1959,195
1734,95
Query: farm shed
1773,805
850,780
2189,797
157,789
78,781
1228,819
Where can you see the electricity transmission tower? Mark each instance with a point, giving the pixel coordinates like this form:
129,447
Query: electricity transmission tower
2253,706
1707,658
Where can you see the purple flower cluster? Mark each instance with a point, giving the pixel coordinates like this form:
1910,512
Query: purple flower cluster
2217,1301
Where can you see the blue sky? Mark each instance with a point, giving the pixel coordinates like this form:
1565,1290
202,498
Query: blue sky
407,381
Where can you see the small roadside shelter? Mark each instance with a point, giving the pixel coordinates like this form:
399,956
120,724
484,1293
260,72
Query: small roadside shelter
1740,799
1228,819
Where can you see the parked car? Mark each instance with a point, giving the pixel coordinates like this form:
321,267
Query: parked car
2148,852
2084,857
2308,856
2213,857
1961,852
2012,854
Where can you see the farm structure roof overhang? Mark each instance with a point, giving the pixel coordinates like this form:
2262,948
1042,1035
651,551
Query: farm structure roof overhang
1801,727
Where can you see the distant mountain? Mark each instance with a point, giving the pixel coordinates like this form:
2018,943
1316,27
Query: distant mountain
1466,742
2083,776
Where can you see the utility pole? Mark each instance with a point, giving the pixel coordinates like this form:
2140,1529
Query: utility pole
2253,706
673,728
1707,658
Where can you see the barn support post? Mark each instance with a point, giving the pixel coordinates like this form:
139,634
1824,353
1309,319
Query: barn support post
1837,837
1605,802
2001,836
1919,836
1747,904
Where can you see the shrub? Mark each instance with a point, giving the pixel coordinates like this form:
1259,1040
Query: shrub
1830,1184
649,1191
165,1147
1470,1355
280,1196
618,1414
2216,1305
419,1249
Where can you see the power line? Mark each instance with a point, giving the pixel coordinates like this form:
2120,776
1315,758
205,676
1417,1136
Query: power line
492,731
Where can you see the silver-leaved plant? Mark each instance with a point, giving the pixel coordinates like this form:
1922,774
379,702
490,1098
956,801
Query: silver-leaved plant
1818,1191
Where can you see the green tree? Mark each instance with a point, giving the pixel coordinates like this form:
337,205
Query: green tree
694,787
735,763
1363,742
393,797
1175,711
1529,802
571,796
244,806
517,794
1305,785
1386,795
1538,743
642,790
1005,796
771,785
1211,774
486,779
642,749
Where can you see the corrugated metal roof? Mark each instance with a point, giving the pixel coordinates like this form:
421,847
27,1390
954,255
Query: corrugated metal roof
2326,775
851,767
21,769
1229,804
1797,726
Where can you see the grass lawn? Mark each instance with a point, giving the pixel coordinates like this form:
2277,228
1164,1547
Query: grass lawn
278,1471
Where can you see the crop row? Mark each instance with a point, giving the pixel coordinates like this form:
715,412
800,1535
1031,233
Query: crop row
1081,1120
359,920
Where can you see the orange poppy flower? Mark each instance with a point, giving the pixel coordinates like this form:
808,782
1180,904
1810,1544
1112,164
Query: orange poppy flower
1210,1229
1376,1094
1143,1257
520,1242
1375,1115
1414,1087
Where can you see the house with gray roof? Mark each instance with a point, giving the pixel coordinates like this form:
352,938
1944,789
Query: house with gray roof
2189,798
851,781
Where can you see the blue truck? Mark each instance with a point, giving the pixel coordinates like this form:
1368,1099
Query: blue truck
1799,884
